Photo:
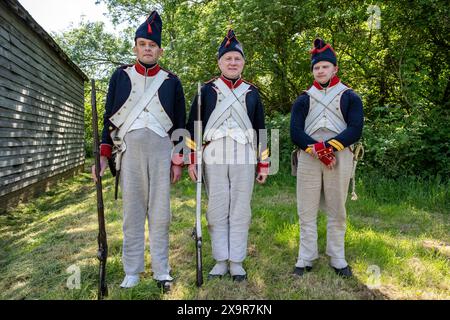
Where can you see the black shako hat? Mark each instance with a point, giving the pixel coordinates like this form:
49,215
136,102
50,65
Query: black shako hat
151,29
230,43
322,52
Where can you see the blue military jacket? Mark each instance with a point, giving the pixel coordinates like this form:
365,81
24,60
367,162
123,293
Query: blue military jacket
208,93
351,108
170,94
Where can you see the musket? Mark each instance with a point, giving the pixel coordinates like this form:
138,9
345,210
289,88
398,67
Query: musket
102,253
197,233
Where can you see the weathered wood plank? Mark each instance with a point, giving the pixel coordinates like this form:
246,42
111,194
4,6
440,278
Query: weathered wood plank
14,161
12,199
11,35
33,125
31,105
15,90
29,36
17,133
24,168
38,176
30,150
36,68
38,82
22,60
39,62
41,106
17,113
27,142
42,168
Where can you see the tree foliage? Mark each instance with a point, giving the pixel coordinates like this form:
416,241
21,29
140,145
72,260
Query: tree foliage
399,68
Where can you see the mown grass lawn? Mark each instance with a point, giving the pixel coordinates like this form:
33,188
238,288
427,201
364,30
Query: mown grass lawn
398,243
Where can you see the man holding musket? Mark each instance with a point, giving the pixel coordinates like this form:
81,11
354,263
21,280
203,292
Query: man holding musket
232,116
144,105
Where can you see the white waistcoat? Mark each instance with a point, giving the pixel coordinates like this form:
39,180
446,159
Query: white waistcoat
230,127
325,110
139,84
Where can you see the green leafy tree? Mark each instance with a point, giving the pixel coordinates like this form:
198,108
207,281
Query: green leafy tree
394,54
98,53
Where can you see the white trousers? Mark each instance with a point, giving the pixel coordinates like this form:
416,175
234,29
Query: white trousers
230,186
317,185
145,181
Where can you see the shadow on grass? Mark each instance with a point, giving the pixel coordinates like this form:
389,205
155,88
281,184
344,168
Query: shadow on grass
58,230
390,246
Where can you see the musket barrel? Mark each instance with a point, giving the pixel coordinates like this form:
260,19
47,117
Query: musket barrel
102,253
198,223
199,155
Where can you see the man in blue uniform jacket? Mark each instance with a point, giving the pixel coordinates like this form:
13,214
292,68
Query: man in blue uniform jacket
144,105
326,121
232,115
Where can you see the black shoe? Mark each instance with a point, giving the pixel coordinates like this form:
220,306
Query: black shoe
300,271
165,285
344,272
239,277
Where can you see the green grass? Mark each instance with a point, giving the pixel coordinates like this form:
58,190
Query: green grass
401,227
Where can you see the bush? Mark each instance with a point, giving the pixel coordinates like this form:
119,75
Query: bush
398,145
282,123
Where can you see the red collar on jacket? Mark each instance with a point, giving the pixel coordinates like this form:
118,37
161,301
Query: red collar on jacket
230,84
334,81
150,71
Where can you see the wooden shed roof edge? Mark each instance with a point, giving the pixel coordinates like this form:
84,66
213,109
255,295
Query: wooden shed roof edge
21,12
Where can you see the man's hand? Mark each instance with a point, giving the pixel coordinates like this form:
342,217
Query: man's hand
262,171
261,178
192,171
314,154
332,164
175,173
103,166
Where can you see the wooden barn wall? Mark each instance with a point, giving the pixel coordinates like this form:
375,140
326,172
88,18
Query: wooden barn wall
41,109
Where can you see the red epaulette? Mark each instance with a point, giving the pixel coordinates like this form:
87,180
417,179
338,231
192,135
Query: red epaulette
346,85
248,82
124,66
306,91
211,80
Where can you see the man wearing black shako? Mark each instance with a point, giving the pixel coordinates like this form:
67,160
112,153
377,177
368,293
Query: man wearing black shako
326,120
232,116
144,105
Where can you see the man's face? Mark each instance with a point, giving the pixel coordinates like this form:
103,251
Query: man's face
323,71
231,64
147,51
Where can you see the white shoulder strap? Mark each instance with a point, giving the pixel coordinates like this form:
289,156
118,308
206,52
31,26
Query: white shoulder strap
325,100
219,114
124,122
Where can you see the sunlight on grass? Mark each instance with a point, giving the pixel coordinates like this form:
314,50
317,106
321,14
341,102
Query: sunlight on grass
407,240
288,235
